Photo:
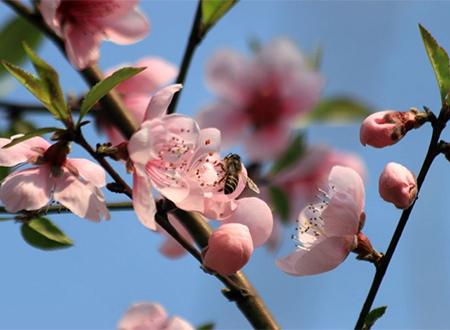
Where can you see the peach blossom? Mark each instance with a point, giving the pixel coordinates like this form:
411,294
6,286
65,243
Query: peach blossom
260,98
73,182
83,24
398,185
229,249
327,231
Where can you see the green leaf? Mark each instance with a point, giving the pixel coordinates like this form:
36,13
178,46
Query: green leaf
373,316
43,234
31,82
291,155
50,81
206,326
38,132
4,171
212,11
439,61
280,202
103,87
337,109
12,34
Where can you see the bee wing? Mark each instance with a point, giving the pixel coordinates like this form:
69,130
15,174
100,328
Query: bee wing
252,185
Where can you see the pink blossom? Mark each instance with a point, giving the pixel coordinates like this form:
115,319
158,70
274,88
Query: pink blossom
136,91
73,182
151,316
327,231
300,181
385,128
83,24
229,249
260,98
398,185
173,155
256,215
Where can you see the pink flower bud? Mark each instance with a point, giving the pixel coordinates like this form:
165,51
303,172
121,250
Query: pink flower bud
385,128
229,248
398,185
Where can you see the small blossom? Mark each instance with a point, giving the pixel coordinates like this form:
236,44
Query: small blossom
398,185
83,24
73,182
385,128
151,316
260,98
229,249
136,92
328,230
173,155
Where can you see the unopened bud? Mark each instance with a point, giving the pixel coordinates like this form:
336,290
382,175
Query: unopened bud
229,248
385,128
398,185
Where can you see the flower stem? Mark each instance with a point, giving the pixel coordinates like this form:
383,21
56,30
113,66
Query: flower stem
193,41
250,302
433,151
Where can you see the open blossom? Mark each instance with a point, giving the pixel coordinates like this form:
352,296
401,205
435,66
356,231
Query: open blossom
300,181
151,316
173,155
398,185
260,98
74,182
328,230
229,249
136,92
83,24
385,128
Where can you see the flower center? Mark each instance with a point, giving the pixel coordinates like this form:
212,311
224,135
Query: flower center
265,107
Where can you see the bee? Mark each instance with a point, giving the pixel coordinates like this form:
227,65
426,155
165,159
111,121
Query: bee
232,166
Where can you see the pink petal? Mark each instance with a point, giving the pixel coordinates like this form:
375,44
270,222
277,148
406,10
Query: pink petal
81,197
90,171
193,199
143,202
347,180
26,190
48,9
157,73
229,248
227,74
324,256
139,144
143,316
21,152
208,141
82,45
161,101
177,323
257,216
170,247
126,29
225,117
268,143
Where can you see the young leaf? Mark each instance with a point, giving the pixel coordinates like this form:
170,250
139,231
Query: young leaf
43,234
206,326
38,132
280,202
50,80
373,316
31,82
212,11
290,156
439,61
12,34
104,86
337,110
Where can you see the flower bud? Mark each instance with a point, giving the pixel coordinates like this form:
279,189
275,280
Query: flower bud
229,248
385,128
398,185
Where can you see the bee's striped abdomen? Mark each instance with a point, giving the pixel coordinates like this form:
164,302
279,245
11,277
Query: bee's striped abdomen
230,184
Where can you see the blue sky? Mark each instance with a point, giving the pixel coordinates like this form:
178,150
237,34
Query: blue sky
372,51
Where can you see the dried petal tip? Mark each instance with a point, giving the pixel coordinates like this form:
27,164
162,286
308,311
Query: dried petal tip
229,248
385,128
398,185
